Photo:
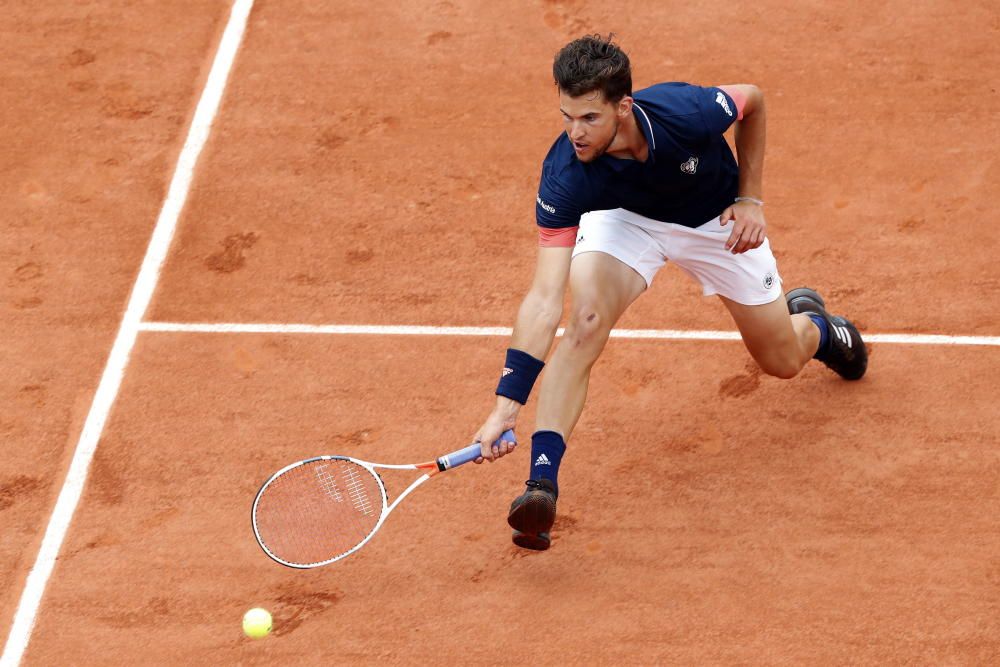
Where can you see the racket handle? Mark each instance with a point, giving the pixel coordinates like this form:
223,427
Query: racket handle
470,453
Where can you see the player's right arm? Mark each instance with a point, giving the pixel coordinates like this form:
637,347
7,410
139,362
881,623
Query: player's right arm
563,196
534,330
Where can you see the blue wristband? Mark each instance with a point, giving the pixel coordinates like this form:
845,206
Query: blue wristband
520,371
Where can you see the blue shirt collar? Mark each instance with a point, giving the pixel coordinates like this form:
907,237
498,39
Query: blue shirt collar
646,127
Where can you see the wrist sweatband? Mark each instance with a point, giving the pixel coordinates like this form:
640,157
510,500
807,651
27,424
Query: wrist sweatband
520,370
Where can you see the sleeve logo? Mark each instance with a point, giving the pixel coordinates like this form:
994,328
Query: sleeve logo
720,99
549,207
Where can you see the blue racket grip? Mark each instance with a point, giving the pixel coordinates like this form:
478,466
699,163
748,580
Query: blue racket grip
470,453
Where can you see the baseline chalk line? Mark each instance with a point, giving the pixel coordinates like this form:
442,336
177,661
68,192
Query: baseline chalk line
111,378
417,330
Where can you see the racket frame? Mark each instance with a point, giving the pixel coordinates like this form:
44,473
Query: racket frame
430,468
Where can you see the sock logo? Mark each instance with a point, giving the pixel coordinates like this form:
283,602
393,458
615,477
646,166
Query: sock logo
542,460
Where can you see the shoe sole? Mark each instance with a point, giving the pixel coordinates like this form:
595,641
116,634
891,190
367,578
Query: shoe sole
535,515
804,294
531,541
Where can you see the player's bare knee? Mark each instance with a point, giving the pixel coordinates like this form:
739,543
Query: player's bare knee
780,367
586,327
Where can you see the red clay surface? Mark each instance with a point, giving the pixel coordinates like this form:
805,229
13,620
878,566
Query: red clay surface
380,168
771,525
383,170
96,99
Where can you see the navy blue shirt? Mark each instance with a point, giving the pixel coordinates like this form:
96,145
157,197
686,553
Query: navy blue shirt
689,177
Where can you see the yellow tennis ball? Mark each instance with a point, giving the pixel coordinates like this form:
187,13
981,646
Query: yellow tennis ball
257,623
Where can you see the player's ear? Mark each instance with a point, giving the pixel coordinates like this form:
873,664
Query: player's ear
624,106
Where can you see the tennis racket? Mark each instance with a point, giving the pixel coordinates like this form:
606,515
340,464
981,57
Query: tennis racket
317,511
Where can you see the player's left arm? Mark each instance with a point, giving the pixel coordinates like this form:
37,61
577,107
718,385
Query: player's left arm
749,226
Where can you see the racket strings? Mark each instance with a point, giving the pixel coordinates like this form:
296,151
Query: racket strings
328,482
318,511
356,489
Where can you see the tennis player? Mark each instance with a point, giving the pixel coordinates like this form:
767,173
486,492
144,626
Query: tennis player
637,180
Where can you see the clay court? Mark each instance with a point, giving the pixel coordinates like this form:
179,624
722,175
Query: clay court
376,165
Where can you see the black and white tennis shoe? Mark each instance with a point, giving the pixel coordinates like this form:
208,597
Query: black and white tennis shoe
844,352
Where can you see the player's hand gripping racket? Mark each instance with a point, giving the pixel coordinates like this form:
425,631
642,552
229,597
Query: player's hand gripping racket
320,510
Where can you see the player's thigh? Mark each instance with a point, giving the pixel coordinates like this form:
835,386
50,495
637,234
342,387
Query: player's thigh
619,234
602,287
766,329
750,278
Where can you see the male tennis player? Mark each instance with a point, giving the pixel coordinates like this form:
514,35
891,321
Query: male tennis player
635,181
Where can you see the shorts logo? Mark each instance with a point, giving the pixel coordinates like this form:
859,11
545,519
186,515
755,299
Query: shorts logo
690,166
548,207
769,281
579,239
720,99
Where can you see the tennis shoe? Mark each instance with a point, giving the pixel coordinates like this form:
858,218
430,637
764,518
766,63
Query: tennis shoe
532,514
844,353
539,542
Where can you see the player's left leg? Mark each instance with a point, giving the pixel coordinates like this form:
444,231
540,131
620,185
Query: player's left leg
750,287
780,343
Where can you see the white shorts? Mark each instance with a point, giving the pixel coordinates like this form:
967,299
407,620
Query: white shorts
750,278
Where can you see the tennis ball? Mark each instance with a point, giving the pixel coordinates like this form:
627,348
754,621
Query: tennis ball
257,623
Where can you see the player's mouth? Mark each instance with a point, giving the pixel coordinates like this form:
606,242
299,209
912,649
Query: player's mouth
579,147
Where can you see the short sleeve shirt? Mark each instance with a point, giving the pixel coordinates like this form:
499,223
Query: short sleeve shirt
689,177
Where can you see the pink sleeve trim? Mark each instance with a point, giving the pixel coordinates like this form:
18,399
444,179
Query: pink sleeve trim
557,238
738,97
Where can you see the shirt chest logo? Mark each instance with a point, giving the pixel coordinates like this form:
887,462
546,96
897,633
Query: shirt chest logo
691,166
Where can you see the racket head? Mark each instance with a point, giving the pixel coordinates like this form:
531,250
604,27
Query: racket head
318,510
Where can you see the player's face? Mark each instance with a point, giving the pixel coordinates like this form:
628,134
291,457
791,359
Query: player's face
591,123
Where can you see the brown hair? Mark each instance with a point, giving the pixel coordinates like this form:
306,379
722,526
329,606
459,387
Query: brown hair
593,63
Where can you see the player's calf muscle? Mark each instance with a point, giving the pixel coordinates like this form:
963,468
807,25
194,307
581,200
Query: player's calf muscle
779,356
785,356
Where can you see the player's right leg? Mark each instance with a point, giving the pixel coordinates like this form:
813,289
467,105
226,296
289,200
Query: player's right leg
602,288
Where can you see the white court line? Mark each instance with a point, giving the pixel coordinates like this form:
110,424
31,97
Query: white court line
142,293
414,330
